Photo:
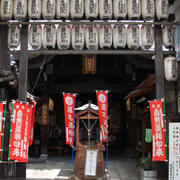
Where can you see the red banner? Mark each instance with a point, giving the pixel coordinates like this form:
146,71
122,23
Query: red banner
1,124
17,144
32,123
26,134
158,130
102,100
69,105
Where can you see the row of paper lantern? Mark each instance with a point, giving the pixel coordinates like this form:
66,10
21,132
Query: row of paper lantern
65,9
94,36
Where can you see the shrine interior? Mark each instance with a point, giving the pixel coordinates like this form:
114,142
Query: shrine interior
50,76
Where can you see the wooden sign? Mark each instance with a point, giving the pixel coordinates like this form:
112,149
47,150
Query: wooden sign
91,163
174,151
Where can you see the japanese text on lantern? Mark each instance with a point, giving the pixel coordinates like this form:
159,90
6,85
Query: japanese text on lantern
158,134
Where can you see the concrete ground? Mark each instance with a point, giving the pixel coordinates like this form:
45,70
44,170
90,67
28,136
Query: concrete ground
55,168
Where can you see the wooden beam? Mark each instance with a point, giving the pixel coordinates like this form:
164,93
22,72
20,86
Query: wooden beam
22,88
23,64
88,52
159,63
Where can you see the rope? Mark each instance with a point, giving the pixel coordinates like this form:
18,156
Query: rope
41,68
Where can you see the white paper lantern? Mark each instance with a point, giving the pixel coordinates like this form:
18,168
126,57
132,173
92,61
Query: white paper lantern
168,36
49,9
134,9
77,9
148,9
63,36
105,9
120,9
133,36
147,36
105,36
20,9
34,9
62,9
35,36
6,9
162,9
119,36
171,68
91,8
91,37
78,37
14,36
49,36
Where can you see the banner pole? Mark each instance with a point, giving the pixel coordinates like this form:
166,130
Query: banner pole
164,115
4,118
74,132
10,129
107,153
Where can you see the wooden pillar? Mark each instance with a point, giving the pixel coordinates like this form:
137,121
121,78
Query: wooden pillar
161,167
4,50
22,85
5,168
44,128
159,63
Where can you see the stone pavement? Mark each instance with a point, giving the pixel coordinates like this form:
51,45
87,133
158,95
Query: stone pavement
56,168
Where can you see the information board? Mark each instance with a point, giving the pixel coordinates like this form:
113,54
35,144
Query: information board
91,163
174,151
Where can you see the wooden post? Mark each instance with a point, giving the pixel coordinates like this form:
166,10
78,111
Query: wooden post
160,85
44,128
5,168
159,63
4,50
22,85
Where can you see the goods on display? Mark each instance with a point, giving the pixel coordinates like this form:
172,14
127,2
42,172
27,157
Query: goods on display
120,9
